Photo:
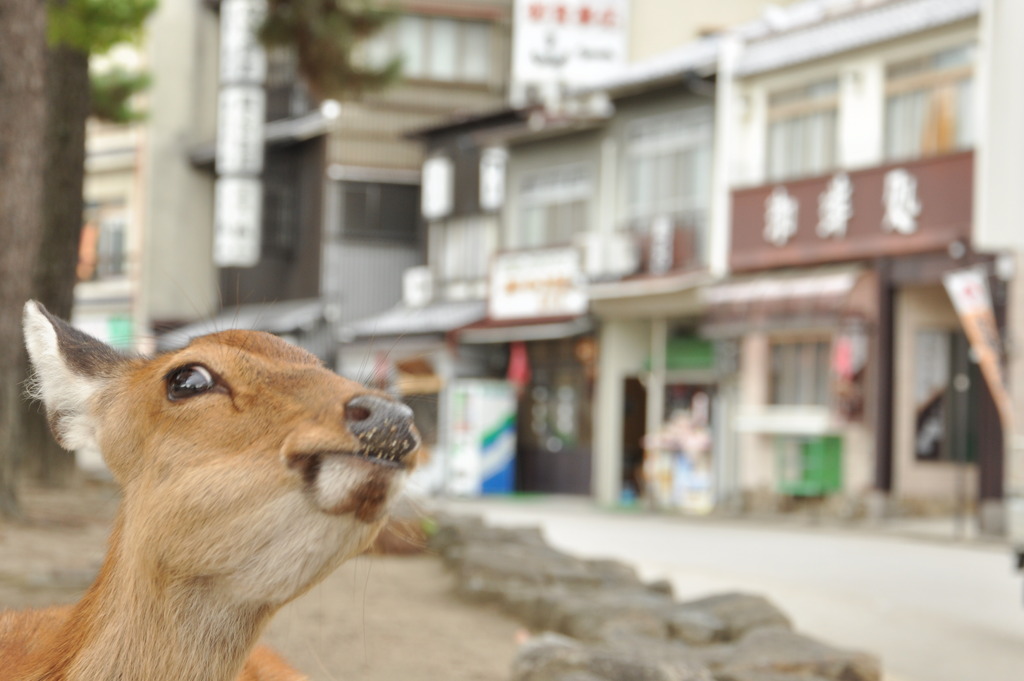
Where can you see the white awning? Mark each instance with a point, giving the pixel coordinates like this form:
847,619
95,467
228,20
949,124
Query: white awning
283,318
437,318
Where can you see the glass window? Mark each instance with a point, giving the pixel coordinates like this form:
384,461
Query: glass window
461,249
102,249
476,52
553,206
802,131
380,211
929,108
800,372
411,44
444,47
434,48
668,170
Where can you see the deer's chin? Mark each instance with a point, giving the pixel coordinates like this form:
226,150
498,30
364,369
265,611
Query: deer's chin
342,484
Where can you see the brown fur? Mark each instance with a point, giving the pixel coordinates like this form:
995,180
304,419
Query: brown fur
221,523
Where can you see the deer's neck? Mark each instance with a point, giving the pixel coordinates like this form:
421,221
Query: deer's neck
136,624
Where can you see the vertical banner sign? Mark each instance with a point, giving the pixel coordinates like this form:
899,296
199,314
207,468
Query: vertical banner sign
238,200
968,289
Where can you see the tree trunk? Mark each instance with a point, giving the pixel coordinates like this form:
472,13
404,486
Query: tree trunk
22,162
67,92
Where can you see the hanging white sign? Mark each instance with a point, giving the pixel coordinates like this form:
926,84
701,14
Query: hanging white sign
238,209
568,41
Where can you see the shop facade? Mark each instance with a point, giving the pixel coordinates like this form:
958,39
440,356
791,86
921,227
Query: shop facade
858,381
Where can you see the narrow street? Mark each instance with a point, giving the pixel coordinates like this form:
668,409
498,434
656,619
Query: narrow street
933,610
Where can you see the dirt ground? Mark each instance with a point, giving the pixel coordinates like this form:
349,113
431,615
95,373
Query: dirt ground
378,618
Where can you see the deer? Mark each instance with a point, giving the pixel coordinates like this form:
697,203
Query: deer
248,472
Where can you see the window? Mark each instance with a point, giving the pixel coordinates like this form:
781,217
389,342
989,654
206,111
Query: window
944,390
928,108
552,206
435,48
800,372
668,171
371,210
461,249
281,190
287,95
802,130
102,244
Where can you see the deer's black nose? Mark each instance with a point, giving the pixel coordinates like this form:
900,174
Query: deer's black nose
383,426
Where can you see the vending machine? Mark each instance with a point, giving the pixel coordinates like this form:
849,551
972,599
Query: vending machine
481,432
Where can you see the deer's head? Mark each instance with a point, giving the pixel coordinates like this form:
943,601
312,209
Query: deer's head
242,459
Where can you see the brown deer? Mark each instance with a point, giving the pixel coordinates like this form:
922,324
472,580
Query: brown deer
248,473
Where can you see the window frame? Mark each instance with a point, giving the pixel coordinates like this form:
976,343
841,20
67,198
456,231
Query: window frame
544,194
819,387
922,75
799,104
372,230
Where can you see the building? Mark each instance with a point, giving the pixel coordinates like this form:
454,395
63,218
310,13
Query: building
852,186
340,184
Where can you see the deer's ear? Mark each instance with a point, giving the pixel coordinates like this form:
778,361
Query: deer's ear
69,369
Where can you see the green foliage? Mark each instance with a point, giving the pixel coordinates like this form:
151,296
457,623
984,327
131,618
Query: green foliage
324,34
112,93
94,26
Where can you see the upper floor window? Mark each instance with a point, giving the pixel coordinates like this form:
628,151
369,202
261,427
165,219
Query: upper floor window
802,130
929,104
436,48
282,188
668,168
460,249
102,249
552,206
287,94
374,210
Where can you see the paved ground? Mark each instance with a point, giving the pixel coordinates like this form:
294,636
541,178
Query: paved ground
933,609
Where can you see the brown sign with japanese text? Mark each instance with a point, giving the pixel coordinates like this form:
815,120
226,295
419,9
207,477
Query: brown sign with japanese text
913,207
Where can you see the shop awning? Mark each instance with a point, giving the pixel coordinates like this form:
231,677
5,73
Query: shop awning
437,318
787,298
283,318
508,331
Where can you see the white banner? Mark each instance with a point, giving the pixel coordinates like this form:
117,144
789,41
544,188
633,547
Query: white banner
238,211
240,130
569,41
968,289
242,57
537,284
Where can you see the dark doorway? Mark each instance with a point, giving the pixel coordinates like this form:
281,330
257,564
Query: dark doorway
554,435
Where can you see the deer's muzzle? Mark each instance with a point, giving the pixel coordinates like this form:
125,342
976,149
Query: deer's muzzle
383,427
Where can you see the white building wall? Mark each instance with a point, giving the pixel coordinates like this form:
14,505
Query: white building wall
178,279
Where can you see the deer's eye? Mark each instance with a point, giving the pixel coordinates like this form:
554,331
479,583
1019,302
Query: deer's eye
188,381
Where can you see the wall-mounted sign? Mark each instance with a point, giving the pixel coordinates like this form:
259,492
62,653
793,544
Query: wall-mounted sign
240,119
568,41
537,284
914,207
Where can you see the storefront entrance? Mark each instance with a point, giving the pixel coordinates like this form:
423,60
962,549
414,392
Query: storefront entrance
554,444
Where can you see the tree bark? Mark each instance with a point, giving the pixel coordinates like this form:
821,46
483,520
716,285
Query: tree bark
22,163
67,94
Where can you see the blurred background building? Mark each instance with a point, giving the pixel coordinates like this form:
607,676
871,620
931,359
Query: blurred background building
576,223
